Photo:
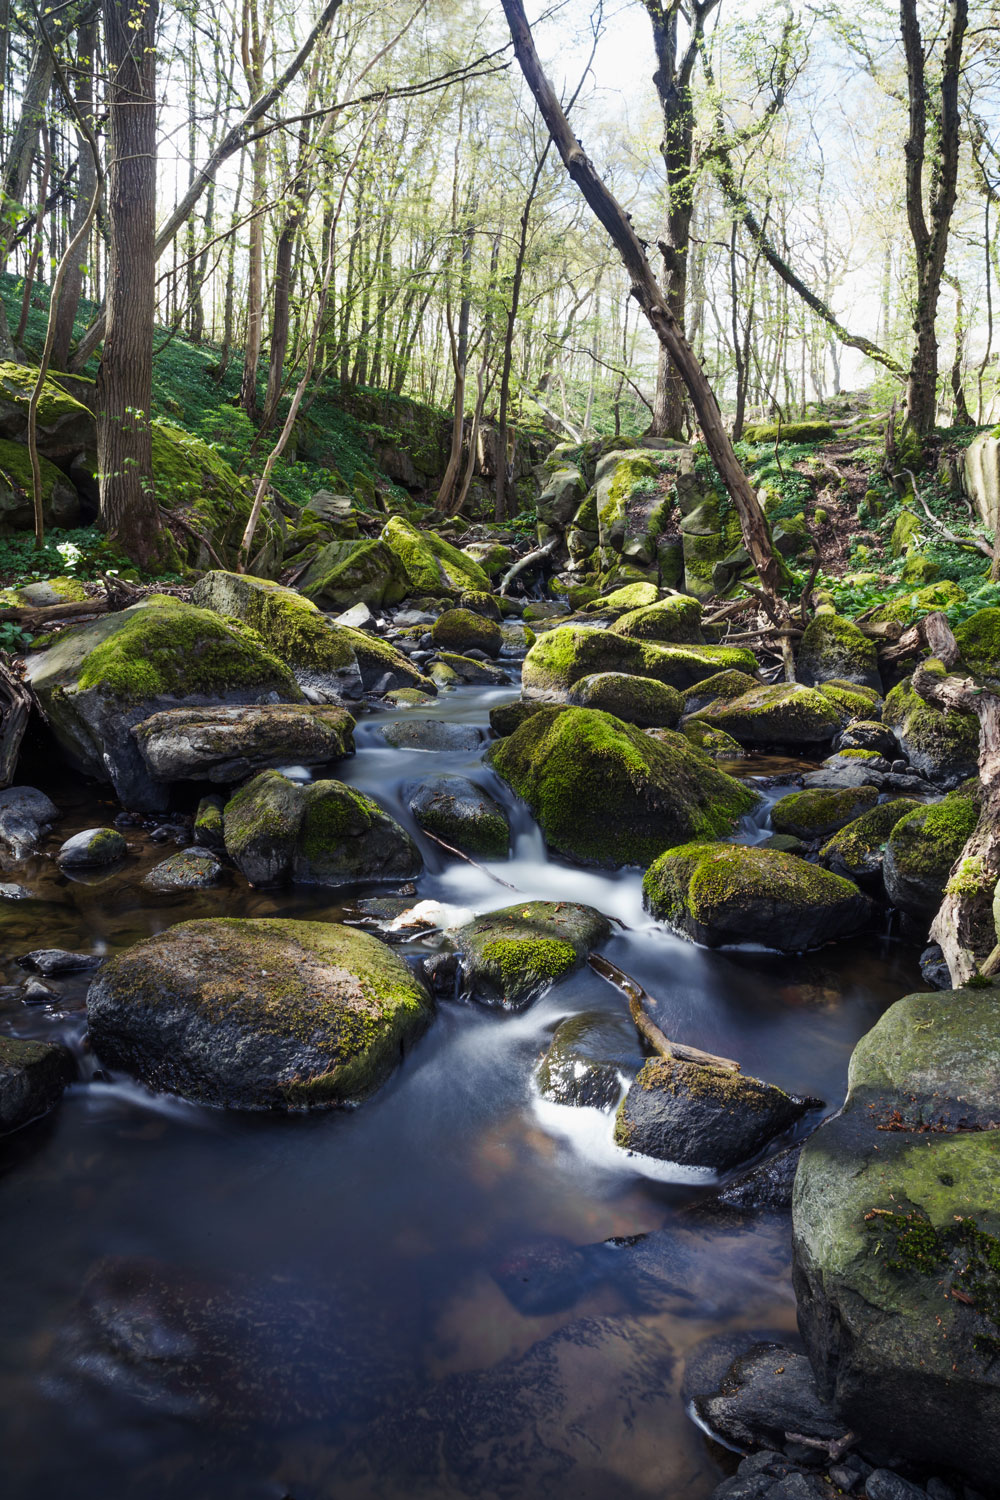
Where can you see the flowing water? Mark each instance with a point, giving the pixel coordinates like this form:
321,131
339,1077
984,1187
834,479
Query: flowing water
457,1289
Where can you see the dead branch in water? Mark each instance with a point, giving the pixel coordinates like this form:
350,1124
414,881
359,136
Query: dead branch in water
468,859
647,1027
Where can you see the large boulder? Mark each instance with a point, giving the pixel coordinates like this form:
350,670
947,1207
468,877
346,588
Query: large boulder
510,956
923,846
816,814
978,640
32,1078
96,682
702,1116
786,714
561,497
632,502
857,850
459,812
604,792
637,700
257,1014
60,501
674,619
717,894
896,1221
430,565
26,815
721,685
324,833
833,648
229,744
560,657
353,571
463,630
943,747
65,427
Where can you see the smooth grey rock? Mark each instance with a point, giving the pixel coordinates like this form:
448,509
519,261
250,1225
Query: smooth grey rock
586,1059
51,961
430,734
190,870
92,849
769,1391
26,815
228,744
460,812
32,1078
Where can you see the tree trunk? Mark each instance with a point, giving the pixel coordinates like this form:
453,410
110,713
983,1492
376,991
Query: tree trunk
86,183
461,357
128,510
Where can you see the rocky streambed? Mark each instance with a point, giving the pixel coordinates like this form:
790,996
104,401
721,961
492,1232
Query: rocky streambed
534,1250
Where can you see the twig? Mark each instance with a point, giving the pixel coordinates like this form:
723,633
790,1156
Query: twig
834,1448
647,1027
468,859
538,555
971,544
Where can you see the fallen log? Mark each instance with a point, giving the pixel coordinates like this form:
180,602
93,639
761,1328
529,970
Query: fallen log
15,710
51,614
538,555
638,999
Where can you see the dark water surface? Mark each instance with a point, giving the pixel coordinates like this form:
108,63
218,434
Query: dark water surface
414,1298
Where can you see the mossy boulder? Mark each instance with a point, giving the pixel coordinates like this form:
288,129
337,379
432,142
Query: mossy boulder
561,497
721,685
97,681
33,1076
896,1228
632,596
816,814
789,432
59,590
718,894
637,700
60,501
193,479
869,734
463,814
430,565
189,870
857,850
66,427
833,648
506,717
493,557
461,630
207,828
702,1116
606,793
784,714
851,700
350,572
480,604
714,743
586,1059
229,744
923,846
277,1015
92,849
676,618
510,956
943,747
324,833
978,640
562,656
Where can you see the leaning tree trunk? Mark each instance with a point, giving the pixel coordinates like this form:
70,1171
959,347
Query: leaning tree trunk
128,510
964,926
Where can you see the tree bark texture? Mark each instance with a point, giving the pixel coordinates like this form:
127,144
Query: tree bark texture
128,510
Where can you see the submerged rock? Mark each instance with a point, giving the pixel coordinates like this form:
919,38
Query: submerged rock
26,815
921,848
97,681
637,700
702,1116
92,849
716,894
325,833
560,657
605,792
430,734
51,961
787,715
768,1392
229,744
461,813
263,1014
896,1223
190,870
816,814
510,956
586,1059
32,1078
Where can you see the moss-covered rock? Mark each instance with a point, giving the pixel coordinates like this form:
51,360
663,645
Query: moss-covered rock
717,894
257,1014
325,834
463,814
851,700
896,1219
507,717
94,683
32,1078
350,572
637,700
461,630
923,846
207,828
833,648
59,590
631,506
431,566
193,479
785,714
92,849
66,427
510,956
721,685
480,604
493,557
562,656
631,597
606,793
943,747
978,640
788,432
714,743
584,1063
229,744
702,1116
676,618
856,851
470,670
189,870
816,814
60,501
561,497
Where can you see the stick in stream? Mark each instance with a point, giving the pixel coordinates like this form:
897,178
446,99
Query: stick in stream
469,860
646,1026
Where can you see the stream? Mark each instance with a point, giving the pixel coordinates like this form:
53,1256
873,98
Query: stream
458,1289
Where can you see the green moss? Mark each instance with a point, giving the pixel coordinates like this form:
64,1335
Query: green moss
961,1257
636,472
979,643
55,405
462,630
700,879
292,627
334,813
15,467
714,743
560,657
928,840
165,647
849,702
817,813
543,958
789,432
782,714
674,619
939,739
604,791
432,566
